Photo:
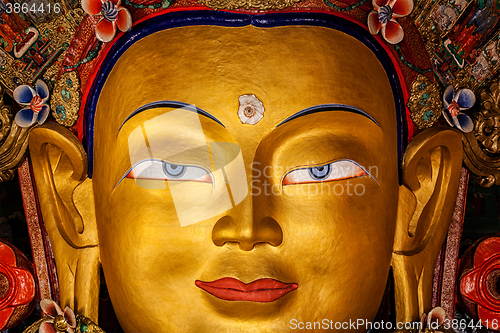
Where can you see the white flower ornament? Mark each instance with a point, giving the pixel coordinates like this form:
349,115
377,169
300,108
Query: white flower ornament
35,101
454,104
251,109
59,321
111,16
382,18
432,320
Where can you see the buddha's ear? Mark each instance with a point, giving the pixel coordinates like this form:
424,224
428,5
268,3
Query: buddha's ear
431,172
67,202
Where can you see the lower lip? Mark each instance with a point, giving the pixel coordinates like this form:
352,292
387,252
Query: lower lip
231,289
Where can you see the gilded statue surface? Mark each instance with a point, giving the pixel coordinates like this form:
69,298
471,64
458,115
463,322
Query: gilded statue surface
247,166
235,218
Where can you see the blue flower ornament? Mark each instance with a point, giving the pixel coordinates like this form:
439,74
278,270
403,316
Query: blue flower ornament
454,104
35,101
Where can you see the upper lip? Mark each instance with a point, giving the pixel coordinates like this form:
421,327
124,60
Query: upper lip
262,290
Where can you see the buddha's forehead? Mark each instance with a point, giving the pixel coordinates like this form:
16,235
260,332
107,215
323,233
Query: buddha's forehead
288,68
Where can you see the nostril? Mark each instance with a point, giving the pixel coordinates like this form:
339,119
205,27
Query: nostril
270,232
223,231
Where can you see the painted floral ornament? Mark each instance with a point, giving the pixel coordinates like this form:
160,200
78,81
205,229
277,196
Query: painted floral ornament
454,103
35,101
382,18
251,109
58,321
432,321
111,15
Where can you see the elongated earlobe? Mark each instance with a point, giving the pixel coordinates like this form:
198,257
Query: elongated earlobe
67,202
431,172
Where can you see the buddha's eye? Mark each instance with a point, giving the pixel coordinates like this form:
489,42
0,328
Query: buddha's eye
339,170
161,170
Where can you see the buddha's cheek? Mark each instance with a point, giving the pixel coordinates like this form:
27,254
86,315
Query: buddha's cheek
149,261
339,236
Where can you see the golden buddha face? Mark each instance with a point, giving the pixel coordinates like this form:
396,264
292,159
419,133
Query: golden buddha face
297,225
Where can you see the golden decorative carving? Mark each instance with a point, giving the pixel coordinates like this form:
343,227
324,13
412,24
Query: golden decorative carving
59,30
424,102
88,325
463,80
65,101
431,36
13,141
481,146
92,327
247,4
9,71
6,116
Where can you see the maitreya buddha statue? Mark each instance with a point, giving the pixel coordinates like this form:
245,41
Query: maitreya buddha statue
247,171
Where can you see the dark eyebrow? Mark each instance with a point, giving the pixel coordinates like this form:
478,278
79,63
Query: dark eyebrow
173,105
328,107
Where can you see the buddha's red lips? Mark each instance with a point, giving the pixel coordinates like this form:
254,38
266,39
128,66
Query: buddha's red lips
262,290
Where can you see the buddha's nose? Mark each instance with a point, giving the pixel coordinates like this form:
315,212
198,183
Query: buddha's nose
241,227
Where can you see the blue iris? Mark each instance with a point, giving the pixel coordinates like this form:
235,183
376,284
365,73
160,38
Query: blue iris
321,172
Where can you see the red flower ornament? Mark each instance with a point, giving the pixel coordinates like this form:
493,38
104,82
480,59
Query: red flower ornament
17,286
111,15
382,18
479,278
